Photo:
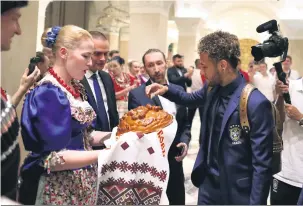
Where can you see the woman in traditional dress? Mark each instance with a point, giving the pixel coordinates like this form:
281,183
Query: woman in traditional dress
123,83
61,166
134,71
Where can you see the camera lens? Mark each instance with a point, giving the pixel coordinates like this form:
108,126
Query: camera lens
257,52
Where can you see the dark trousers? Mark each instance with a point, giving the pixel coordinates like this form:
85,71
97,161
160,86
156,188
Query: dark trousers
191,114
28,188
9,174
283,194
209,191
175,188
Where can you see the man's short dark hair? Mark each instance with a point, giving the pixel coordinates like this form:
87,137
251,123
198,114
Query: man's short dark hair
197,61
97,35
8,5
118,59
221,45
152,51
177,56
112,52
289,57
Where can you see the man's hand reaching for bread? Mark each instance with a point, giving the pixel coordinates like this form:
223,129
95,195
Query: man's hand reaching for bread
155,89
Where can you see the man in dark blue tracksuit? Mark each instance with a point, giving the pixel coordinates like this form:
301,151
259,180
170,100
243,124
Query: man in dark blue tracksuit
231,168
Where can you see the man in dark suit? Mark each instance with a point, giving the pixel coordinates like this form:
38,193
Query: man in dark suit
178,74
300,201
155,66
231,167
99,86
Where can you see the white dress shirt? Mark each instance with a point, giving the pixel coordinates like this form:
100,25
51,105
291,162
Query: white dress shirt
90,80
266,85
293,74
292,154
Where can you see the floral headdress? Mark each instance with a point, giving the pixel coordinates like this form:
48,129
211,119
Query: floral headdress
52,36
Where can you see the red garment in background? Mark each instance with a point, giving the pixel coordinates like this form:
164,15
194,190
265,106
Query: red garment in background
203,79
119,86
245,75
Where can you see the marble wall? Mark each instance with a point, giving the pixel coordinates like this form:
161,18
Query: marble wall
296,52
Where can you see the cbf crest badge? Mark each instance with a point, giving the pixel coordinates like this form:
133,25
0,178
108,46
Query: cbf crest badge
235,134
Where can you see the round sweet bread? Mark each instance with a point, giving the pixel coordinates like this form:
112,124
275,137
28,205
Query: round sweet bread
145,119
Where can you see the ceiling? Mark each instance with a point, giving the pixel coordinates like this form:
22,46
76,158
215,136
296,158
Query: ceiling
240,17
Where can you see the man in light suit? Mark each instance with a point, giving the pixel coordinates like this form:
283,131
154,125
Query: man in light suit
155,66
99,86
231,167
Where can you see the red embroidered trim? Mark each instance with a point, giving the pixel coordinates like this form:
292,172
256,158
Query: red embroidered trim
3,94
161,140
134,168
121,192
132,183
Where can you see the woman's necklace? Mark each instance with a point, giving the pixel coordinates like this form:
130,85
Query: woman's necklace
74,92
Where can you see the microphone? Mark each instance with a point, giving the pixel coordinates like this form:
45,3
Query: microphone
268,26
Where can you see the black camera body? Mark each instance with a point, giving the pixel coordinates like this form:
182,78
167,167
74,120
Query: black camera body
275,46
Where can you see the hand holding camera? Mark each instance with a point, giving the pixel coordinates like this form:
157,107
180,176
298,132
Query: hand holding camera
281,88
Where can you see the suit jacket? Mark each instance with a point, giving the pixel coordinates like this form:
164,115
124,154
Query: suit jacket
137,97
244,164
175,78
300,201
111,100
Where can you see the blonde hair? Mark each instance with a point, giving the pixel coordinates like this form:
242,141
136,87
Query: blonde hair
44,35
69,36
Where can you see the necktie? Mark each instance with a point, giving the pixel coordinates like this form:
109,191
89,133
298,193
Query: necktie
100,104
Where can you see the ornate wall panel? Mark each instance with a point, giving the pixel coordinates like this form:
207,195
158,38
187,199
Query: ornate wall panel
245,47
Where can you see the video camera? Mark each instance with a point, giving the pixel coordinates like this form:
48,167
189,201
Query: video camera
275,46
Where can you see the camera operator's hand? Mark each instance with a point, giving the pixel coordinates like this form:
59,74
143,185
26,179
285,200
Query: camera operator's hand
281,88
292,112
25,83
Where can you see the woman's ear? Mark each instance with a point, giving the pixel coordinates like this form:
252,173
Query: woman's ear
63,53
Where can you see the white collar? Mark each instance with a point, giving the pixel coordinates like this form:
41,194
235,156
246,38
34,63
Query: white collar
167,82
298,84
89,74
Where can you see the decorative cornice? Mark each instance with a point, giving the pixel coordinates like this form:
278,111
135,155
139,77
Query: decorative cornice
188,26
112,19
